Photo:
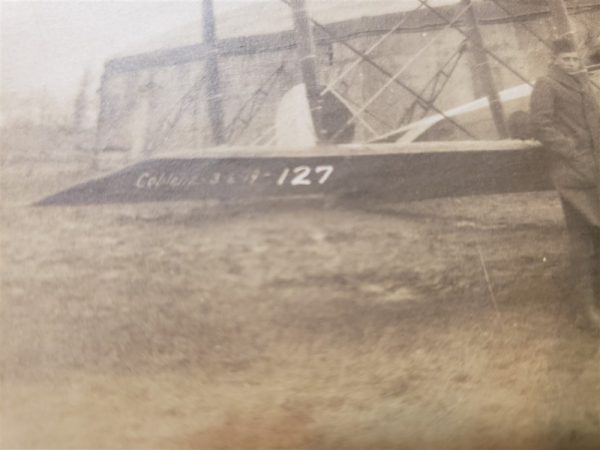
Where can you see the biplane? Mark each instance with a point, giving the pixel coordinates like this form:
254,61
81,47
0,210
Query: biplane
416,161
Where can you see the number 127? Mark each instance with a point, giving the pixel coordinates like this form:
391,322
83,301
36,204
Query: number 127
300,175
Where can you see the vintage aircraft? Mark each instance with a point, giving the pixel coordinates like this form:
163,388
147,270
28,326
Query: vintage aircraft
383,171
407,168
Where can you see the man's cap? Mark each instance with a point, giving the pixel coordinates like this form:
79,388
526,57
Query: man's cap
563,45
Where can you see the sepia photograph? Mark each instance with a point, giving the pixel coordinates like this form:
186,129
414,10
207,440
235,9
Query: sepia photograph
300,224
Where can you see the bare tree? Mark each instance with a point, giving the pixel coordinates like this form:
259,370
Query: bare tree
81,102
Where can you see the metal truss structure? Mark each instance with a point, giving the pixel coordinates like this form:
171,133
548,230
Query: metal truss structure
423,100
463,22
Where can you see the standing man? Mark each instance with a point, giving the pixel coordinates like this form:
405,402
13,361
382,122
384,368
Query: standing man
566,120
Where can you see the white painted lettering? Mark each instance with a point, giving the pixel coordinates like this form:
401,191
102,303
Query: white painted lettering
301,178
142,180
326,171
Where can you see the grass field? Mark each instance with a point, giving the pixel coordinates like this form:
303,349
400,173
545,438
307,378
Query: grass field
430,325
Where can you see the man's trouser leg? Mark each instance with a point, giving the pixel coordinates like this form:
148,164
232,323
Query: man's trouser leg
596,267
584,255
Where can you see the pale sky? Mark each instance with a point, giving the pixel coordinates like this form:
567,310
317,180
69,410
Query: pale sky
49,44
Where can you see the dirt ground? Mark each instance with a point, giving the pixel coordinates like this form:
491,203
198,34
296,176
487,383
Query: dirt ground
430,325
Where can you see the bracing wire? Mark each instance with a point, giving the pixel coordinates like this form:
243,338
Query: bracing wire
250,104
436,89
358,61
487,51
167,126
403,69
384,71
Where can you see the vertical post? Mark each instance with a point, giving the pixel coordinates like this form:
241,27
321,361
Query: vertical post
213,89
483,70
308,64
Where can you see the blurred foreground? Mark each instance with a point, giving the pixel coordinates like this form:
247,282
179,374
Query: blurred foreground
435,324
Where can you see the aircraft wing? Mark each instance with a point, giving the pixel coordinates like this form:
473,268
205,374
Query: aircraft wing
389,172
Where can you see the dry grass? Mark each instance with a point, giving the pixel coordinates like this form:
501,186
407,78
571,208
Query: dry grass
177,326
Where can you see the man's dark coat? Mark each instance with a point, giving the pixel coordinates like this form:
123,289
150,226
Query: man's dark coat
566,119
